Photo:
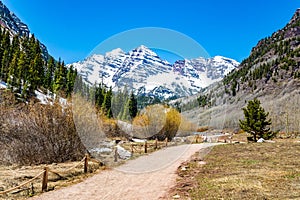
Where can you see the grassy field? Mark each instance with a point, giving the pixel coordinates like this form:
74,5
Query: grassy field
242,171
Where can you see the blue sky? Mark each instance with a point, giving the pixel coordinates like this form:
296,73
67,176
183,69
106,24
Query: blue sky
72,29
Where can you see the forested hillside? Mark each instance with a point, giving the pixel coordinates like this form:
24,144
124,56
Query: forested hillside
37,133
274,59
271,73
25,70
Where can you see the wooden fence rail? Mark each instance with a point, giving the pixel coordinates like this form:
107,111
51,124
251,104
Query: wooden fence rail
47,170
144,147
21,185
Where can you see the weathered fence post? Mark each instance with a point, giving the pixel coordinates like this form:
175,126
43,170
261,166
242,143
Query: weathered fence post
132,151
116,154
45,179
166,140
32,189
145,146
86,163
197,138
156,143
141,148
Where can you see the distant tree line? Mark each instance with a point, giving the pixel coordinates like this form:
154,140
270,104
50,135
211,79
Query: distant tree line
25,69
202,101
121,104
124,105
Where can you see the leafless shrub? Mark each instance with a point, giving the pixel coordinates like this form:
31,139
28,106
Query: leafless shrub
35,134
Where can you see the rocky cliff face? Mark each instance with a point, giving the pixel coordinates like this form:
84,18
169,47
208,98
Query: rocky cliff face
9,21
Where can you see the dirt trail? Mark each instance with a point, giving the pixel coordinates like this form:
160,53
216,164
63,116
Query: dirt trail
147,177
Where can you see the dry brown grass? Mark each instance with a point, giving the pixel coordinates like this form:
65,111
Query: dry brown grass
202,129
11,176
243,171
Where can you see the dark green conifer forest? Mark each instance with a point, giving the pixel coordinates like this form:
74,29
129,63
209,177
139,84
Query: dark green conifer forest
25,68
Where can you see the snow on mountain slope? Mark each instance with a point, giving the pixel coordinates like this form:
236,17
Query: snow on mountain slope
146,73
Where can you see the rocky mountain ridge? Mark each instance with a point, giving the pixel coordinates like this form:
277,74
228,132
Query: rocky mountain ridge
9,21
144,72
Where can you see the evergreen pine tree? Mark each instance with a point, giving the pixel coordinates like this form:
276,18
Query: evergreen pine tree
107,103
48,81
99,96
38,65
12,72
4,65
70,81
15,46
59,78
125,114
132,106
256,122
21,72
115,103
5,42
5,56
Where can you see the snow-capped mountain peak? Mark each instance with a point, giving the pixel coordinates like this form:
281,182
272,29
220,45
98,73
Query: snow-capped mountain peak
114,52
143,51
224,60
144,72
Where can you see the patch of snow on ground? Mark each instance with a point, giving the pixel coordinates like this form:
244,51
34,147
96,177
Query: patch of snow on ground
123,153
42,97
49,98
138,140
3,85
101,150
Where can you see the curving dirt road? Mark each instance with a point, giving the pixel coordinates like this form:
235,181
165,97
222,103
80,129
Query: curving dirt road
147,177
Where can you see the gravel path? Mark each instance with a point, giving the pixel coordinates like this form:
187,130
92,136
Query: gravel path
147,177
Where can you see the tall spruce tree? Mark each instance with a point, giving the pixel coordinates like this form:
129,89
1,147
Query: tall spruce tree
106,105
15,46
256,122
12,72
132,106
59,77
5,55
48,81
70,80
4,65
99,96
126,115
21,72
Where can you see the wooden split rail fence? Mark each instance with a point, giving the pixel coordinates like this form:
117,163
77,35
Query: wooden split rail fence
146,146
44,174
